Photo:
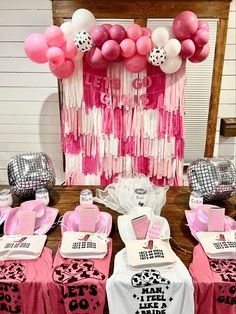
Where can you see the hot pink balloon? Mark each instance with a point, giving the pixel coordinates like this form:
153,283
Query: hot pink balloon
117,32
146,32
187,48
185,25
107,27
203,25
64,70
201,37
144,45
54,36
100,35
36,48
95,59
200,54
135,64
127,48
134,31
55,56
70,50
110,50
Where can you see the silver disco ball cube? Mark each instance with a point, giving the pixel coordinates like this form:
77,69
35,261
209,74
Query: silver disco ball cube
214,178
29,172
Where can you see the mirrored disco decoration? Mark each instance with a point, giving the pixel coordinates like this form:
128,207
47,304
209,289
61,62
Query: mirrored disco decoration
29,172
214,178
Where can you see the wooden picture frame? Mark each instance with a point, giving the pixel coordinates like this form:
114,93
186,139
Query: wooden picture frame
140,11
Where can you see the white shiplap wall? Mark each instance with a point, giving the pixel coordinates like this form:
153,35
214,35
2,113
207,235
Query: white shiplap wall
226,146
29,117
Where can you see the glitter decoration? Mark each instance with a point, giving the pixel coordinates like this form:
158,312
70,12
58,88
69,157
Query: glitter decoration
29,172
214,178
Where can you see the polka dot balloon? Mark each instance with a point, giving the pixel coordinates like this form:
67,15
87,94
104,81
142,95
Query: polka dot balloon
157,56
83,41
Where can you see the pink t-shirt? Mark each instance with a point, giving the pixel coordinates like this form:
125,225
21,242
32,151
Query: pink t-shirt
23,285
77,286
214,283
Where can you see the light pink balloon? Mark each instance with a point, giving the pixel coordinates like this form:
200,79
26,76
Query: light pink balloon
203,25
185,25
54,36
201,37
100,35
144,45
117,32
146,32
110,50
127,48
64,70
95,59
187,48
200,54
36,48
134,31
135,64
55,56
70,50
107,27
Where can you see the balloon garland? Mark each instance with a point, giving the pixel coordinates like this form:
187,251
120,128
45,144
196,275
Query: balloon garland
164,47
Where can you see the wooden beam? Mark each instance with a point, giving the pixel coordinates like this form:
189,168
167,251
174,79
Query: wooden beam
215,87
141,8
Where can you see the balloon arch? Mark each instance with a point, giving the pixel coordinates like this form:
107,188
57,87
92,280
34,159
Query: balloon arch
164,47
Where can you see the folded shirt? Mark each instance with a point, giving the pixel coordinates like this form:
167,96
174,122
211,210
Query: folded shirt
142,253
83,245
220,245
21,247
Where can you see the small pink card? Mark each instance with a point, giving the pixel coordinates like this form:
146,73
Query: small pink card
140,226
87,219
216,219
26,222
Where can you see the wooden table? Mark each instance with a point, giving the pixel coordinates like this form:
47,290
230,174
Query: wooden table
67,198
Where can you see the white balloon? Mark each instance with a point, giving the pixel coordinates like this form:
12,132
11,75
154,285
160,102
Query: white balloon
160,36
172,48
68,30
171,65
83,20
79,55
170,31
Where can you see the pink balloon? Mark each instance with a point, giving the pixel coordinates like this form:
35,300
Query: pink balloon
201,37
70,50
146,32
135,64
187,48
36,48
200,54
107,27
55,56
203,25
127,48
95,59
110,50
144,45
100,35
185,25
134,31
54,36
64,70
117,32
